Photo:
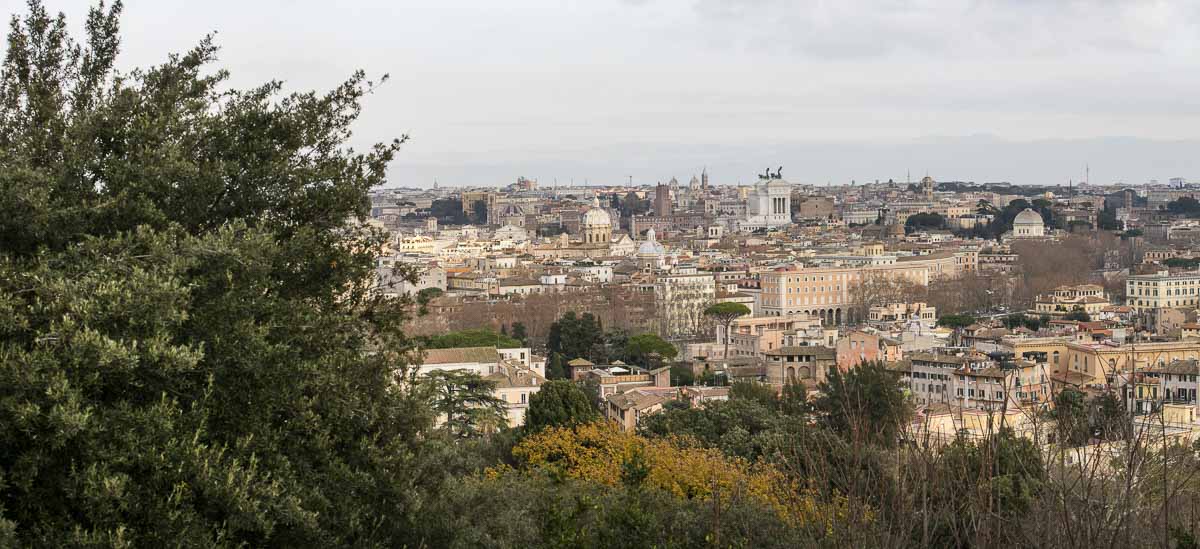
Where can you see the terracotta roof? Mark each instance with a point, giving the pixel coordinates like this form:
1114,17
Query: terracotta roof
1071,378
1185,367
636,400
983,372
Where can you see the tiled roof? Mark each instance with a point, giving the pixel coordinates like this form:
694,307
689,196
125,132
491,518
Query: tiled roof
1185,367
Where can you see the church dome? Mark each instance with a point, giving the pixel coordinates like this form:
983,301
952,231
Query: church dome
1028,217
651,247
597,216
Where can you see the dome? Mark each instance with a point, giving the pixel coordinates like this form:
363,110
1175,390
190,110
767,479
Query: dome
927,180
1028,217
651,246
596,217
513,209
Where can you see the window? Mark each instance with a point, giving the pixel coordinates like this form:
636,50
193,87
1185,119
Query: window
522,398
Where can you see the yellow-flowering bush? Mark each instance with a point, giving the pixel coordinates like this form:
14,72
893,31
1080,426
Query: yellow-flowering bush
601,452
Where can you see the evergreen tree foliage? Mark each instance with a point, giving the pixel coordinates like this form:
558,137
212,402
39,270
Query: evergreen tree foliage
559,404
863,404
190,353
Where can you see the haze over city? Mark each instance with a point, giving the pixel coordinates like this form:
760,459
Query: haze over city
596,91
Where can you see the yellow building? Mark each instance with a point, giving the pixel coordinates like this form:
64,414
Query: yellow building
825,292
1097,363
1064,299
1162,289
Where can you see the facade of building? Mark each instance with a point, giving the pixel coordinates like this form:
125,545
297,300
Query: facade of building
754,336
805,364
680,297
768,205
826,292
1089,298
858,347
902,312
518,374
1028,224
1147,292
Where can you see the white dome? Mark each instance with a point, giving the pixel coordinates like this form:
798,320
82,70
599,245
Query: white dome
596,217
651,246
1028,217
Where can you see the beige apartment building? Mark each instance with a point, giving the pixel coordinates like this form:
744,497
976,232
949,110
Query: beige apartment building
859,347
1148,292
902,312
807,364
1087,363
1064,299
754,336
825,292
680,298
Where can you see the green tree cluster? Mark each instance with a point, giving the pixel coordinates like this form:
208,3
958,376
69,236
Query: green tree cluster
1078,314
469,338
574,336
641,349
864,403
1017,320
190,354
1185,206
559,403
956,321
424,296
924,221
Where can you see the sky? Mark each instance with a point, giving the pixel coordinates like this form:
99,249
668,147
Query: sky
598,91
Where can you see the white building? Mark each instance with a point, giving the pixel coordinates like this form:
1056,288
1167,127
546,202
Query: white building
516,372
1028,224
651,253
768,205
392,284
1148,292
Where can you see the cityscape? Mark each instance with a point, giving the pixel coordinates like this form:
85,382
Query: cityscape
233,316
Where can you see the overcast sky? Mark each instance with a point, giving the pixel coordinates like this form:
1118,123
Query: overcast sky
1028,91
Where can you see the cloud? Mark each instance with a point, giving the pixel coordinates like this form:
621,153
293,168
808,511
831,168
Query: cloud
956,28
